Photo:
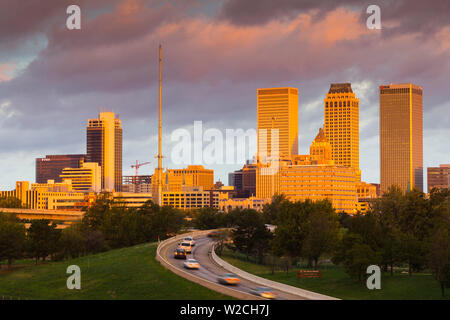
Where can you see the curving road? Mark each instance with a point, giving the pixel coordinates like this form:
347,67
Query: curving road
209,270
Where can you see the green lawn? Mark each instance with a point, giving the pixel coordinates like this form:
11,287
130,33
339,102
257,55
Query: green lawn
335,282
128,273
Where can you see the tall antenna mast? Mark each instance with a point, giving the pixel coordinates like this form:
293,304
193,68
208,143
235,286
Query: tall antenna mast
159,132
159,137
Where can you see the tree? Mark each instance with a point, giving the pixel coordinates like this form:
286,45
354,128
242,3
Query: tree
95,241
207,218
165,222
72,242
12,238
95,215
10,202
366,225
415,223
322,232
344,219
250,234
406,222
292,229
42,239
272,210
386,211
440,199
222,236
355,255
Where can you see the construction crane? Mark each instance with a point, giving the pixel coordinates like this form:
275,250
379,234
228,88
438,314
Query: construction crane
138,165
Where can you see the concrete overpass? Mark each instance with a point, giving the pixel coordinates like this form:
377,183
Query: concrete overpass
58,216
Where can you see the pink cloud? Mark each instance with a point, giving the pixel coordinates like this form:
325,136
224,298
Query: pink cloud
5,71
196,47
117,49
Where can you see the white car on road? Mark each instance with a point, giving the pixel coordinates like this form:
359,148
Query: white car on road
191,264
190,240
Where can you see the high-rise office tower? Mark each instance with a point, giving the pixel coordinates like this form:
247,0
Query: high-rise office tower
278,109
104,146
235,179
401,136
342,125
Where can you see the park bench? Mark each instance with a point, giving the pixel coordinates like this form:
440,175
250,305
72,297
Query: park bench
309,274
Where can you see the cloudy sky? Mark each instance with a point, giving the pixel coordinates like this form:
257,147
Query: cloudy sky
216,54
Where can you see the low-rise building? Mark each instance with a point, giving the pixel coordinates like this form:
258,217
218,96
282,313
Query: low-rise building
438,177
367,193
193,197
87,178
47,196
228,204
131,199
319,182
137,184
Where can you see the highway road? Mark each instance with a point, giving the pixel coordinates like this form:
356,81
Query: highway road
209,270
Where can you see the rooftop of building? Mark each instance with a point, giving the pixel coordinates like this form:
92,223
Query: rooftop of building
280,90
340,88
400,86
321,136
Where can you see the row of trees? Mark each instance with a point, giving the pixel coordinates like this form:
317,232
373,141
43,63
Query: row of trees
106,225
400,230
303,229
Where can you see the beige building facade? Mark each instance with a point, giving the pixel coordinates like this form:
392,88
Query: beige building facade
401,136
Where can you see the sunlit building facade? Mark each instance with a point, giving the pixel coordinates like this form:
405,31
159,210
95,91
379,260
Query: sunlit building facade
401,136
438,177
104,146
191,197
47,196
319,182
174,180
87,178
367,193
277,108
314,176
131,199
227,204
342,125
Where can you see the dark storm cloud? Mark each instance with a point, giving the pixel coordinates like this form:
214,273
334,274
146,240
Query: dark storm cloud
254,12
406,15
20,20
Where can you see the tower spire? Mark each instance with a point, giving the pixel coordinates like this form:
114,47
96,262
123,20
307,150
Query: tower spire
159,128
159,137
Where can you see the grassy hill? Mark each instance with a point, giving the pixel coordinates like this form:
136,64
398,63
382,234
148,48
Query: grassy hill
128,273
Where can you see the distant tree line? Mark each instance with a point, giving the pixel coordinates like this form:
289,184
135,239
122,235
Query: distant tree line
10,202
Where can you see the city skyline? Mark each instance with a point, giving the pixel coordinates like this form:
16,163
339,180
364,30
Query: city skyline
195,151
38,89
